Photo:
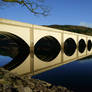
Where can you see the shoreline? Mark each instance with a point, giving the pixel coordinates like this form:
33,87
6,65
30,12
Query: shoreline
10,82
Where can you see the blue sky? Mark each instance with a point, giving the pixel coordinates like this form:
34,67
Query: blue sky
63,12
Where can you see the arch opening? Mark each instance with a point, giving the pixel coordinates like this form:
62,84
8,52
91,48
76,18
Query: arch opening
81,46
47,48
13,50
89,45
69,46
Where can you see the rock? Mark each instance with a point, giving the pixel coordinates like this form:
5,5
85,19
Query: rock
20,88
1,88
27,89
10,82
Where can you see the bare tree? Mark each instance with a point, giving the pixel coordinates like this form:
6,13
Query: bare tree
34,6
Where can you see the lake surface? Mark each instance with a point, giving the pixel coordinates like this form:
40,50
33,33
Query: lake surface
76,75
4,60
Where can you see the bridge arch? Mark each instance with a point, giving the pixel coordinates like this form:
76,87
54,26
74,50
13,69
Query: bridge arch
69,46
13,47
47,48
89,45
81,45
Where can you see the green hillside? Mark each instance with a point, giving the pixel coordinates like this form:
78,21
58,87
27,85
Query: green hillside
71,28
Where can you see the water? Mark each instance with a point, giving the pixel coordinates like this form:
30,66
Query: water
4,60
76,75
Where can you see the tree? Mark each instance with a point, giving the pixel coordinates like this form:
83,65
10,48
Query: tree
34,6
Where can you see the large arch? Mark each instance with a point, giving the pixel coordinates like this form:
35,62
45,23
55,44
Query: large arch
14,47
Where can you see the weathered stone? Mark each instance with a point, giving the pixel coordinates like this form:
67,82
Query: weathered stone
1,88
31,85
27,89
7,90
20,88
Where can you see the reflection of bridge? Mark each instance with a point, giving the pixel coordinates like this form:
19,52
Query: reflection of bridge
35,49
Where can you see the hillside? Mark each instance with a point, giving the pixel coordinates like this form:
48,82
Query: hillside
71,28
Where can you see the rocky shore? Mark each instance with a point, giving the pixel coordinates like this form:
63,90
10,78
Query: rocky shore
10,82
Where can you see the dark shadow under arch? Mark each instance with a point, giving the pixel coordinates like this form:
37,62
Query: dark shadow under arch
69,46
81,46
89,45
47,48
14,47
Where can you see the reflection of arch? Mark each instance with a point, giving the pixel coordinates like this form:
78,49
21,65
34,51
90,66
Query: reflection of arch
14,47
69,47
47,48
81,46
89,45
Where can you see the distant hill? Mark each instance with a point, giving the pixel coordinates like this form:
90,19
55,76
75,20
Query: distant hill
71,28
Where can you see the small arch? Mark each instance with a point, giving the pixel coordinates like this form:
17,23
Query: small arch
47,48
69,46
89,45
81,46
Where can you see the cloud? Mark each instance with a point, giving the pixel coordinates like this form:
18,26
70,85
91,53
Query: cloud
85,24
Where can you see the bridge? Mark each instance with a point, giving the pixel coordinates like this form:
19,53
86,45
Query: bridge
32,49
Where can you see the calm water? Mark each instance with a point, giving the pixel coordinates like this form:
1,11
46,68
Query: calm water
4,60
76,76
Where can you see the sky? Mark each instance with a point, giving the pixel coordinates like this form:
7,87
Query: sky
62,12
